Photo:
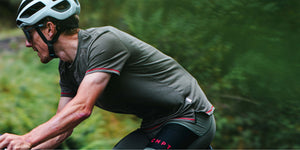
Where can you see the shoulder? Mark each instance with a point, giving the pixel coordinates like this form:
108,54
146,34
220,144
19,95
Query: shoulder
92,34
95,33
105,36
107,40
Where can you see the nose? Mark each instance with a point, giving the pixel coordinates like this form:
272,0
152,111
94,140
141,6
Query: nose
28,44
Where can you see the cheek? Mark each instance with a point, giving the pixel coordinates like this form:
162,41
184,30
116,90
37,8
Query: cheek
38,41
36,37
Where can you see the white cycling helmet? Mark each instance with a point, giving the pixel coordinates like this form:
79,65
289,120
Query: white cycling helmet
32,11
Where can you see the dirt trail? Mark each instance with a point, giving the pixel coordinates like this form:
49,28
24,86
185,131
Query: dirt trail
12,43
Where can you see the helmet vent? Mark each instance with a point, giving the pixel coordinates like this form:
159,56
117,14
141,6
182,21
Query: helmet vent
62,6
23,5
32,10
76,1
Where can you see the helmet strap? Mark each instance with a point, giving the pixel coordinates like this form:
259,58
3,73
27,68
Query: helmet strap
50,43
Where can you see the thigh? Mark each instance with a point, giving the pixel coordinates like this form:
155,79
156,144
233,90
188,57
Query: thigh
135,140
185,135
173,136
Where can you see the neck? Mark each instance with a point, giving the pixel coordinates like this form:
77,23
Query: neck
66,47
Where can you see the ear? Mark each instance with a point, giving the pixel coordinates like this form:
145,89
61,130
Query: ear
50,29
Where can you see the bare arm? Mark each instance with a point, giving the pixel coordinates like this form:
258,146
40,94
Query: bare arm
50,144
74,111
56,141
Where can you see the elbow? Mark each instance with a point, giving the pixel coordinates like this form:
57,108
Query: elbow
82,115
82,112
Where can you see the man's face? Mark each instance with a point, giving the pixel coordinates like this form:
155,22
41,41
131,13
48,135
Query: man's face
34,40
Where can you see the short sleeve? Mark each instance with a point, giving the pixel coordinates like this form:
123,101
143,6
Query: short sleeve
107,54
66,85
66,90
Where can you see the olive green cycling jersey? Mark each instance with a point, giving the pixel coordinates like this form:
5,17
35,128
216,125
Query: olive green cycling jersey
144,82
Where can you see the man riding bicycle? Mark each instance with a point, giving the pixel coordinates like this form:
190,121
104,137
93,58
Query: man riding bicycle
115,71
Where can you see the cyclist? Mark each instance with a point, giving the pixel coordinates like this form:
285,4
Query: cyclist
117,72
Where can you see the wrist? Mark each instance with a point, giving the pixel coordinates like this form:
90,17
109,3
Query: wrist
28,139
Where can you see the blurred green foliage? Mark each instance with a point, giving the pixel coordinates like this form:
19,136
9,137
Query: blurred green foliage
244,53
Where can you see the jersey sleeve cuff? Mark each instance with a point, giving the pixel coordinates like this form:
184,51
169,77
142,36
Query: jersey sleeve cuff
107,70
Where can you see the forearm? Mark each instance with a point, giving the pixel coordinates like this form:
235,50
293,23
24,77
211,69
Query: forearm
62,122
54,142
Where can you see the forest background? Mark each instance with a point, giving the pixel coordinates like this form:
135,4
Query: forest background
244,53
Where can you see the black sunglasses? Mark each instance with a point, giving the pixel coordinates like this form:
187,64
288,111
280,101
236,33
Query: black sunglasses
27,31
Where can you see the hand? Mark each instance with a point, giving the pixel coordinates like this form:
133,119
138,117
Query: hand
14,142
